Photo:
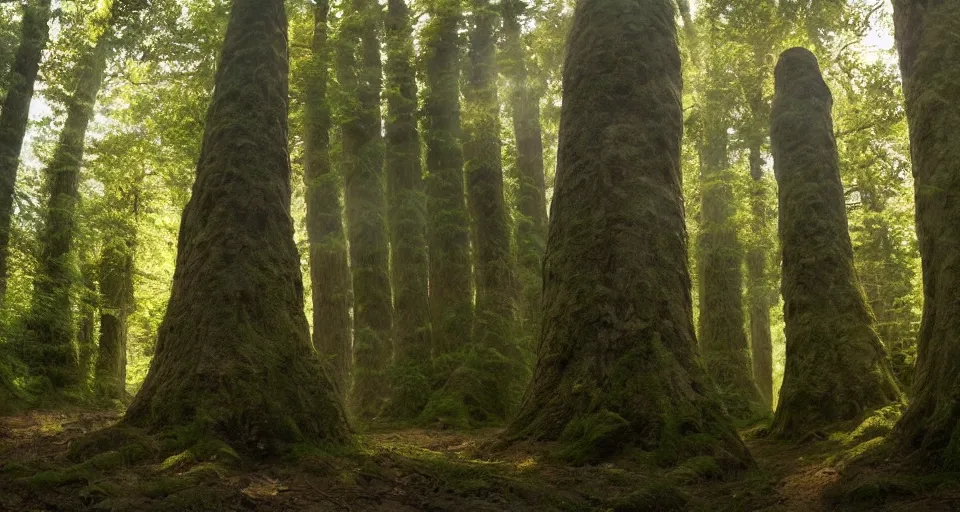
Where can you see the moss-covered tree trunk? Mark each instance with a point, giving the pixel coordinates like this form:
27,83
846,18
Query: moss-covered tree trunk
233,354
361,79
448,223
329,267
836,369
531,211
116,291
760,296
86,328
723,335
928,40
52,352
617,363
408,218
483,388
14,114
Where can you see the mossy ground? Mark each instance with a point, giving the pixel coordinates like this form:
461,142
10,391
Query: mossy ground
71,461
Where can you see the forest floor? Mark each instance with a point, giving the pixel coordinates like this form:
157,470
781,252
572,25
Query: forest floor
415,469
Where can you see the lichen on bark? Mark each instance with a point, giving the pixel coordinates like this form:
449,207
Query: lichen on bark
928,40
836,369
233,355
617,363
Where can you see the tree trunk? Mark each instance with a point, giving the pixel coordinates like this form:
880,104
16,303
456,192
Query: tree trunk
408,219
233,354
14,115
929,45
51,318
617,362
759,293
86,335
365,198
484,387
836,369
531,209
451,282
116,290
723,335
329,267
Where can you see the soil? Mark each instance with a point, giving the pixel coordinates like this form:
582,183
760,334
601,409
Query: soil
437,470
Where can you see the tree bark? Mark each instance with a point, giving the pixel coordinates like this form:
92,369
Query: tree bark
329,267
233,354
531,209
723,335
366,208
617,363
448,222
408,218
51,318
760,296
836,369
14,115
928,41
116,291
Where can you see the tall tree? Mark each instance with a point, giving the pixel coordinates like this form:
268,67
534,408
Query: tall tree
617,362
361,80
836,368
233,354
928,41
448,223
531,223
723,336
329,267
50,321
408,216
14,115
116,290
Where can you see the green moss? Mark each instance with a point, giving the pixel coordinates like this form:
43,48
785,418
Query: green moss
164,486
656,498
53,479
695,470
591,438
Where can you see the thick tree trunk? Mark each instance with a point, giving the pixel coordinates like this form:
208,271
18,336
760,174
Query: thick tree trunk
14,115
86,329
408,218
723,335
759,293
617,361
53,354
451,282
116,291
366,207
531,209
836,369
484,387
233,353
329,267
928,40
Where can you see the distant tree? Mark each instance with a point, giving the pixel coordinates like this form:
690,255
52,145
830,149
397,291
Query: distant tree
233,356
928,40
116,290
329,268
617,363
836,369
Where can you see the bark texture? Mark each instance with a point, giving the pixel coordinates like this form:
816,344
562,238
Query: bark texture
329,267
760,294
617,363
448,223
15,113
836,369
531,203
362,155
723,335
233,356
116,291
928,40
51,324
408,218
